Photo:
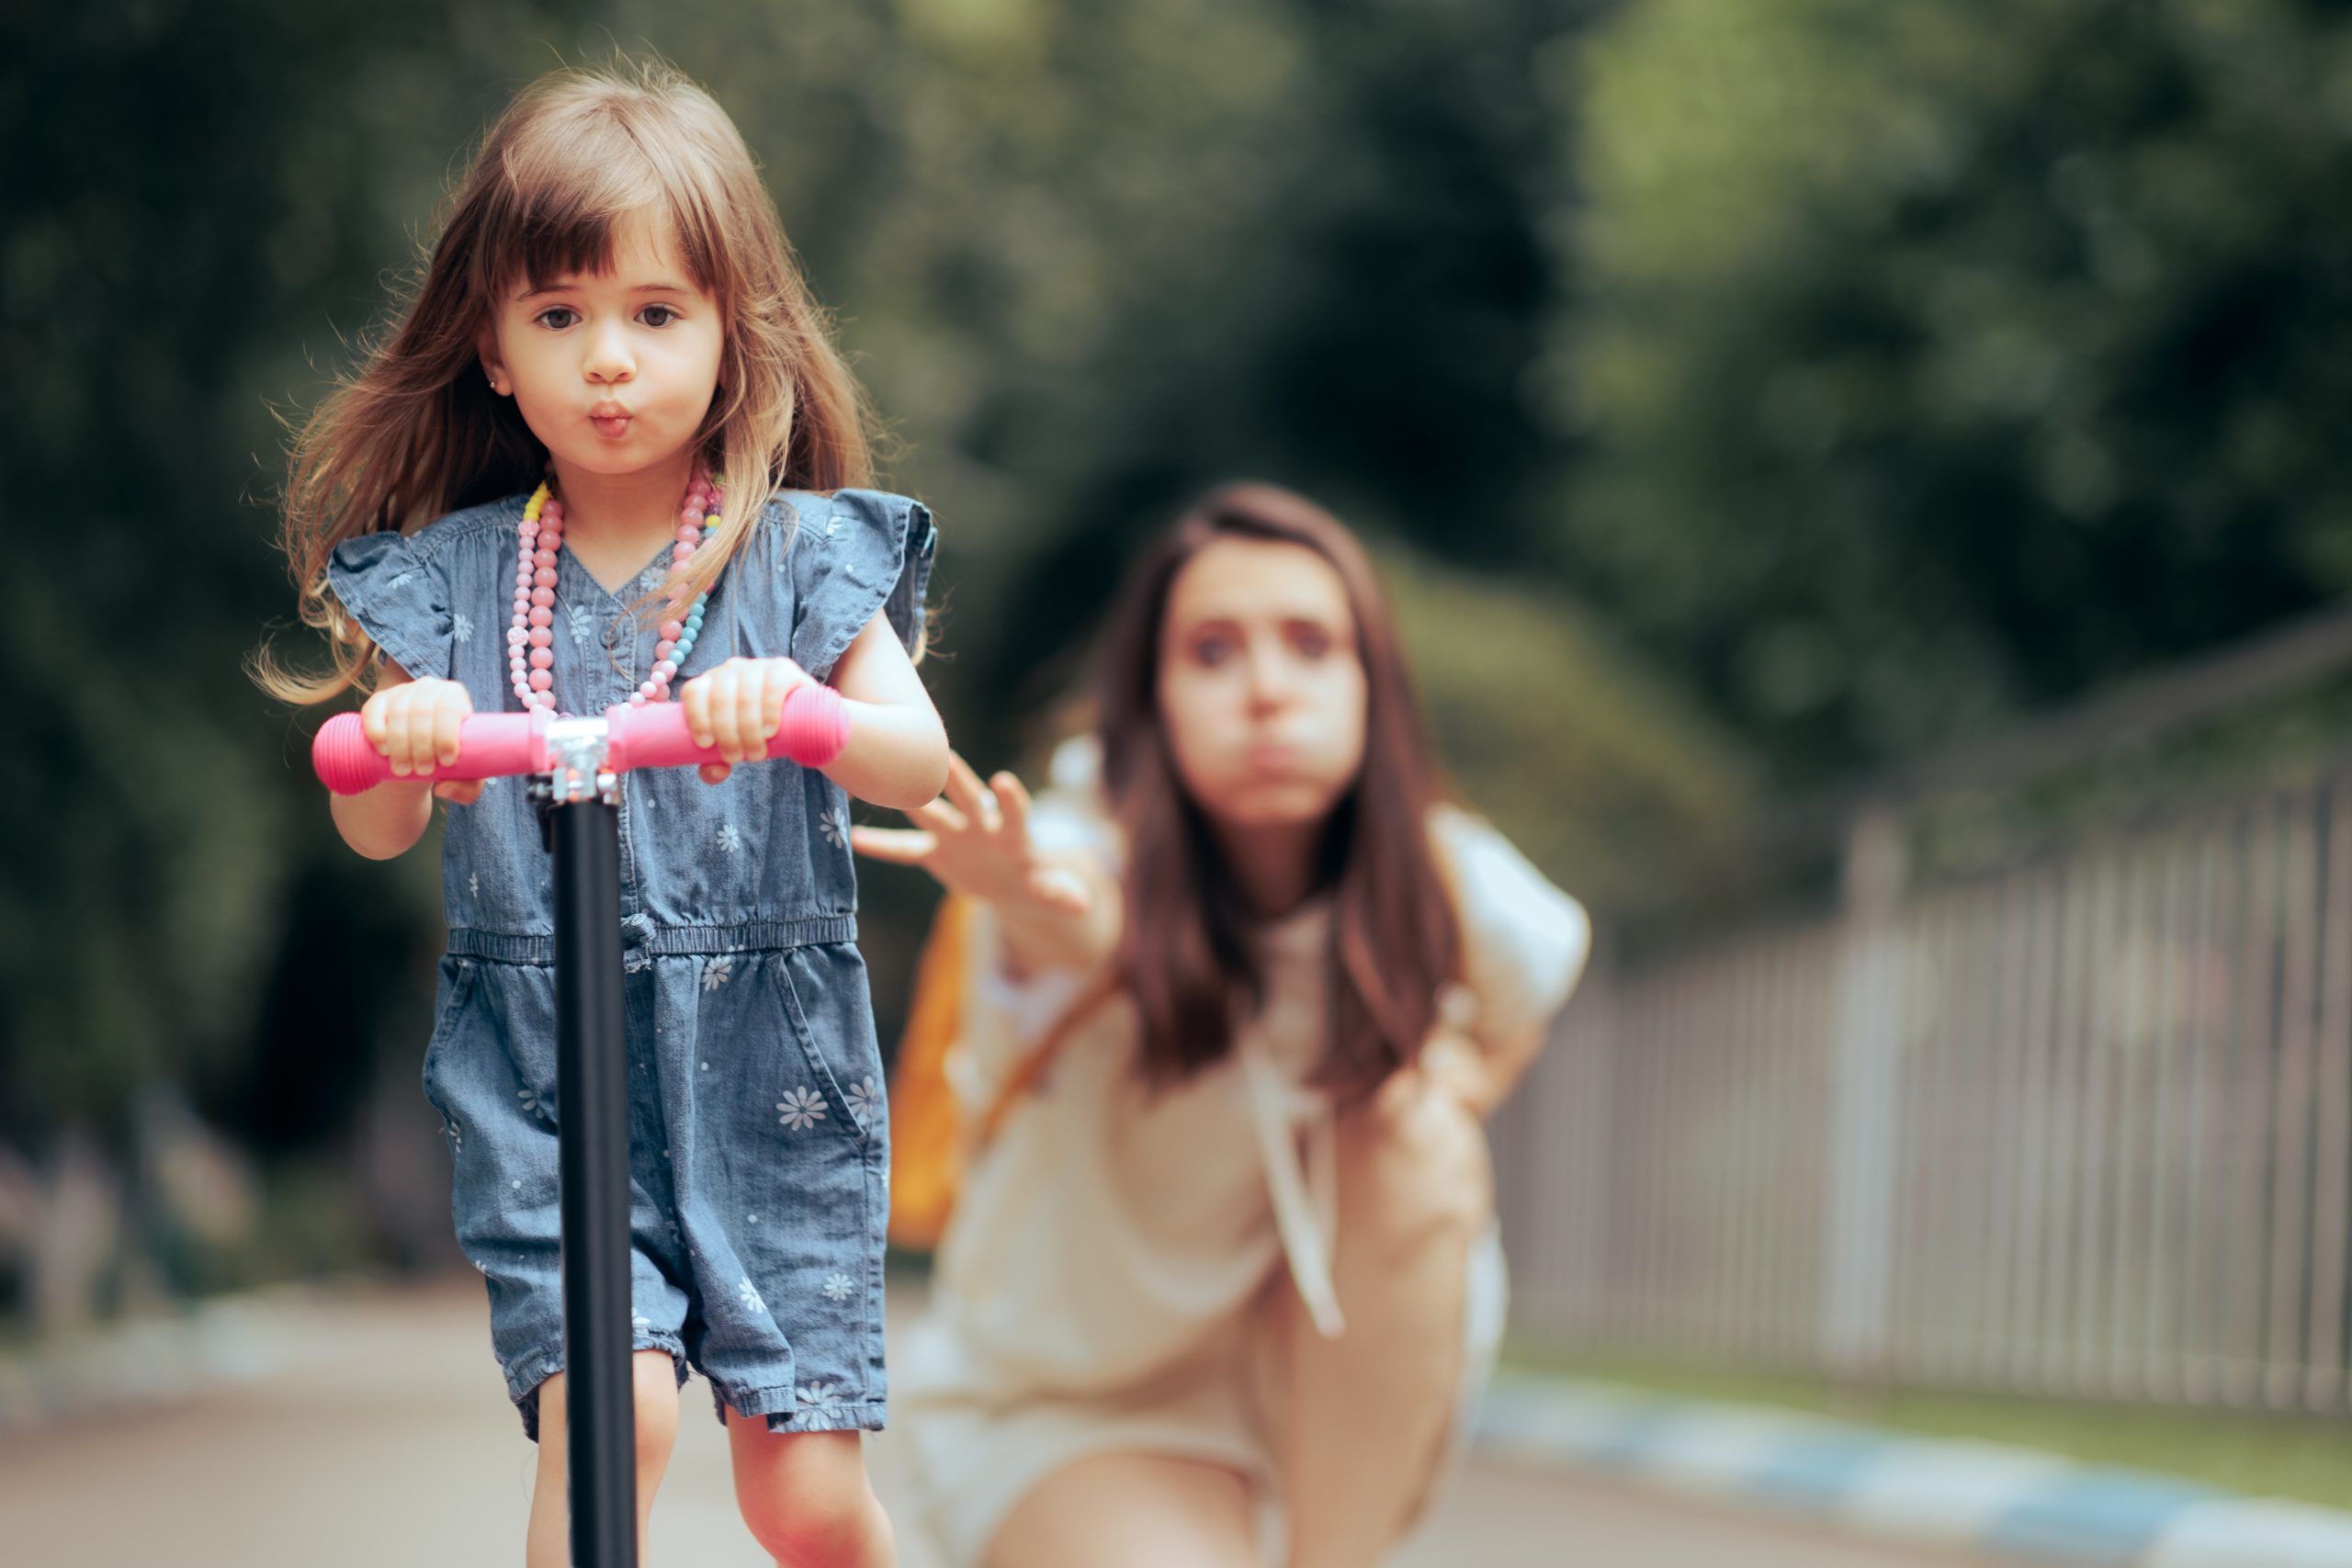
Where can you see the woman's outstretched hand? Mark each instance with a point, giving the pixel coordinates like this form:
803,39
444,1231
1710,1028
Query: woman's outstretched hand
976,841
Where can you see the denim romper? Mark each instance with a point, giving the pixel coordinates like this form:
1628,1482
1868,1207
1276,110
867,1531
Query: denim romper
758,1142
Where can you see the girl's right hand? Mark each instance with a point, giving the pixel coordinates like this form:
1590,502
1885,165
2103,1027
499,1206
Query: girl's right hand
414,723
976,842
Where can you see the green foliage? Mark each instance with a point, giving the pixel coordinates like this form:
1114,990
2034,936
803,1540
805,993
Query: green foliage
1089,259
1805,382
1599,771
174,262
1937,360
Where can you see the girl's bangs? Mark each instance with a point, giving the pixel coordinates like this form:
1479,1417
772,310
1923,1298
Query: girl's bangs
564,206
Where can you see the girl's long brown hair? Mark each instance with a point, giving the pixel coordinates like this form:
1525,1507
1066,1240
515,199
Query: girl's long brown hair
1186,956
417,432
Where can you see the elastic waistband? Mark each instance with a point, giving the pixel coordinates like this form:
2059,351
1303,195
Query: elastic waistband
641,939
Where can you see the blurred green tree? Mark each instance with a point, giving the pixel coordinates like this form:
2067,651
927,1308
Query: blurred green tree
1090,259
1934,361
200,198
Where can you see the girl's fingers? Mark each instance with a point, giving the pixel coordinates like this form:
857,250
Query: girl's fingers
899,846
448,715
714,772
383,728
755,712
459,792
740,706
416,726
725,733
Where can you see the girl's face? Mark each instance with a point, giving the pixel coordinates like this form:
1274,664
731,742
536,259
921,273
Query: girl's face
1260,685
614,371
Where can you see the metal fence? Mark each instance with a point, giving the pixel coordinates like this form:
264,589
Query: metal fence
2083,1127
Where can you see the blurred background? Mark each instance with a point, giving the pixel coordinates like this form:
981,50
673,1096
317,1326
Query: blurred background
1863,485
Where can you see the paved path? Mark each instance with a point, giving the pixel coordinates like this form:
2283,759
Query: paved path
394,1446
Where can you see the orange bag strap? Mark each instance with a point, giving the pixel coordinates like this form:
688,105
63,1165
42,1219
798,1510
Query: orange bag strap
928,1140
926,1152
1032,1067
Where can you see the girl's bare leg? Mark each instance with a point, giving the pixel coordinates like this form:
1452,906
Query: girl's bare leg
548,1543
1361,1423
807,1498
1135,1511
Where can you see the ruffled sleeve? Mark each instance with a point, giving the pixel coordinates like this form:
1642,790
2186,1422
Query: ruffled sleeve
397,598
1524,940
866,551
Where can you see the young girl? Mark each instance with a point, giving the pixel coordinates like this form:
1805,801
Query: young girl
1223,1248
614,395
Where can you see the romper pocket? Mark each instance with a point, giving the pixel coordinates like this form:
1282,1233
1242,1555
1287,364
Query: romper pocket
833,1103
457,979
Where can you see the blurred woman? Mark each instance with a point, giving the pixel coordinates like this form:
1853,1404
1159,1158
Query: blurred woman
1222,1269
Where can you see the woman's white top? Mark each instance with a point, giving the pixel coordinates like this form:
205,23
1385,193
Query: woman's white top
1109,1242
1111,1231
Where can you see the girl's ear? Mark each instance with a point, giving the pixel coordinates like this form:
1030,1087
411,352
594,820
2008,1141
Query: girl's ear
486,346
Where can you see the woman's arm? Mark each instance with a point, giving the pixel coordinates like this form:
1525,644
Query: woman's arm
1053,909
1480,1073
1523,946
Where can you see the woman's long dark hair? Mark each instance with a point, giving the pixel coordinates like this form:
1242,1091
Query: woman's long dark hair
1186,955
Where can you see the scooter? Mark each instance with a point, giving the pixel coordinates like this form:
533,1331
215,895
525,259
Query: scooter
575,766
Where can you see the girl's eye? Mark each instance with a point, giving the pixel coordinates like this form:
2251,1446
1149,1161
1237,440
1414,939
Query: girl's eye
667,313
1310,641
546,318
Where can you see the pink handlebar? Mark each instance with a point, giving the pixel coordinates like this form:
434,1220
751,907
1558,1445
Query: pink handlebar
492,745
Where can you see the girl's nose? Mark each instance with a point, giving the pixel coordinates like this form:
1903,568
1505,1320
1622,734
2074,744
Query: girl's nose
609,356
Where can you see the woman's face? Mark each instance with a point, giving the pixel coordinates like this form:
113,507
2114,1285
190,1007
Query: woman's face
1260,685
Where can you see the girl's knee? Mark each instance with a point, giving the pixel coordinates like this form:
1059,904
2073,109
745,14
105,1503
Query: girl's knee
807,1533
654,1377
809,1504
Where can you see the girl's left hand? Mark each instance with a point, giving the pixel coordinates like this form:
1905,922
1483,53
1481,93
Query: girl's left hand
737,706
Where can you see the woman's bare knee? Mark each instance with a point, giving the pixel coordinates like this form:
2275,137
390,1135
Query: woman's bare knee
1137,1510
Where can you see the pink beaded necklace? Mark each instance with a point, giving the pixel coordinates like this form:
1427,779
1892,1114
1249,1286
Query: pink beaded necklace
530,639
